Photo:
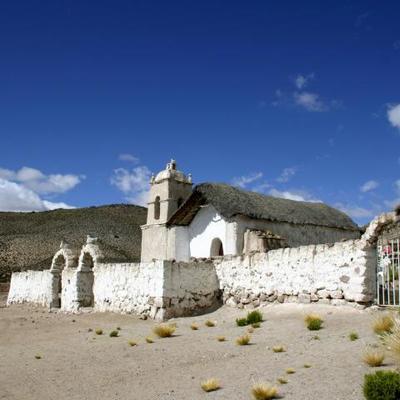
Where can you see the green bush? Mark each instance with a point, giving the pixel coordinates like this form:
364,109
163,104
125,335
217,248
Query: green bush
253,318
314,324
114,334
241,321
382,385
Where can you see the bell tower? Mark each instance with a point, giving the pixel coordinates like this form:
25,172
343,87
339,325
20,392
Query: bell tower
169,189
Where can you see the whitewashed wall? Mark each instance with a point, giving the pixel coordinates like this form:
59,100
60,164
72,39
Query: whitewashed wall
129,288
338,273
206,226
190,288
35,287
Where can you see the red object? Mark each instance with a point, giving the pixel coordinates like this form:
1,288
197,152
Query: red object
387,249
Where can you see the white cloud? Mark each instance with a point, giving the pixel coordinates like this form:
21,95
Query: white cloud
16,197
355,211
369,185
393,114
310,101
297,195
134,184
286,175
21,190
243,181
301,81
129,158
40,183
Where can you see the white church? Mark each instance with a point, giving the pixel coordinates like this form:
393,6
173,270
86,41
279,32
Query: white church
217,219
214,244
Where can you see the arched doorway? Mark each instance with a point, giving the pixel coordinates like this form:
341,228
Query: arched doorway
217,248
59,263
85,281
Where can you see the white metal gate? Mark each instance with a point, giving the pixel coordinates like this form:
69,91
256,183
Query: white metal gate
387,277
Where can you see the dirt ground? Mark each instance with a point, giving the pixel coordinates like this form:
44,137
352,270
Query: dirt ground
78,364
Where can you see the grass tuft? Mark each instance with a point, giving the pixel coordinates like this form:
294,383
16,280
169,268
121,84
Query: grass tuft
307,365
282,381
114,334
383,324
278,349
194,327
374,358
221,338
132,343
254,317
164,330
241,321
263,391
290,371
353,336
38,356
313,322
256,325
210,385
149,339
243,340
209,323
250,330
392,340
99,331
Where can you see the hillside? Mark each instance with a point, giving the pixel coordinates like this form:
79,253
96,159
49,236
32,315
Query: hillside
29,240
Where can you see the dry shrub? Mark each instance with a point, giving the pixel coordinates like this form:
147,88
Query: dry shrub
264,391
210,385
282,381
374,358
38,356
250,330
392,340
194,327
290,371
149,339
132,343
383,324
164,330
307,365
278,349
353,336
210,323
243,340
99,331
221,338
114,334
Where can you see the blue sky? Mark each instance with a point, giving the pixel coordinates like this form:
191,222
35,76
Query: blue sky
288,98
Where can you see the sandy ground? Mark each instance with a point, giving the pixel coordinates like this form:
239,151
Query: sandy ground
78,364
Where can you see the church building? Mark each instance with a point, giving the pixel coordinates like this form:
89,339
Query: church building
215,219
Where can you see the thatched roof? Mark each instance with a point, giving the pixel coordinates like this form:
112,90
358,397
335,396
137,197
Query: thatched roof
230,201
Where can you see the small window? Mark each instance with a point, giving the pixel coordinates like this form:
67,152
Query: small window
157,208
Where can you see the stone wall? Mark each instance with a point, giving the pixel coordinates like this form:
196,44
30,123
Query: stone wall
160,289
37,287
190,288
129,288
329,273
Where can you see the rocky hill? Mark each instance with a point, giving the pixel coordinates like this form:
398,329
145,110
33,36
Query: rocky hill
29,240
